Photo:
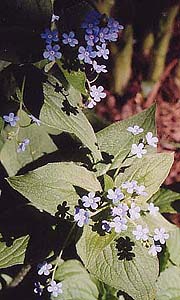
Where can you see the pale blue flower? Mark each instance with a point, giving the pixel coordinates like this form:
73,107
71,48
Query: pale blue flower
119,224
141,233
130,186
55,288
154,249
52,52
11,119
92,38
44,268
134,212
160,235
102,51
152,141
22,146
81,216
115,195
138,150
97,93
103,34
70,39
90,200
99,68
153,210
135,129
120,210
86,54
54,18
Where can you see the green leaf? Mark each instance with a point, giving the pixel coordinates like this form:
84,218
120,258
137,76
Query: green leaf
150,171
108,183
75,78
14,254
61,113
136,277
1,124
173,245
50,185
40,143
116,141
168,287
164,198
76,282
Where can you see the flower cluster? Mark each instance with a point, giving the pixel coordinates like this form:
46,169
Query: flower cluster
52,50
12,120
160,236
123,209
97,32
53,287
139,149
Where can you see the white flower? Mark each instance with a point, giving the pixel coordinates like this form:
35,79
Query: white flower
138,150
55,288
44,268
54,18
97,93
152,141
119,224
35,120
160,235
99,68
120,210
82,216
115,195
141,233
130,186
135,129
154,249
153,209
90,200
140,190
134,212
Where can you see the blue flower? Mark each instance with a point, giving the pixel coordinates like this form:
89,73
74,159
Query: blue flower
11,119
114,25
86,54
81,216
51,53
114,28
92,38
99,68
69,39
38,289
103,34
92,19
50,36
105,226
102,51
22,145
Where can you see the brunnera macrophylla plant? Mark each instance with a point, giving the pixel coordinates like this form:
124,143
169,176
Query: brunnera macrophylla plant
103,196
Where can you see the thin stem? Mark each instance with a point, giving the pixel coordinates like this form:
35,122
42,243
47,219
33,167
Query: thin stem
63,247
